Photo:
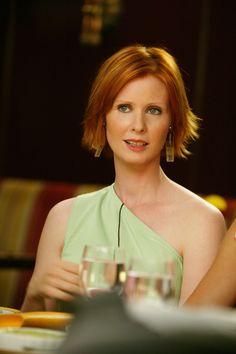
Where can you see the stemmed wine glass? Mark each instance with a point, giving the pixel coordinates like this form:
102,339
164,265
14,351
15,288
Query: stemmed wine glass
102,269
152,279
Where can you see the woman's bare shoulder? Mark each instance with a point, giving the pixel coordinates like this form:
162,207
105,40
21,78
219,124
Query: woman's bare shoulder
62,208
206,210
193,200
196,210
57,219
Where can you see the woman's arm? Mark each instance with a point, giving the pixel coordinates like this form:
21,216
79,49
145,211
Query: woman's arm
218,287
53,279
203,233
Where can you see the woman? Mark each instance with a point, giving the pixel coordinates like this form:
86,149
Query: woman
138,111
218,287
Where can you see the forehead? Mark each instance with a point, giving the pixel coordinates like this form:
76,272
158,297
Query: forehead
148,88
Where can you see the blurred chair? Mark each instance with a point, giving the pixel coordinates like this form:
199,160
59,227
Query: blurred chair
24,205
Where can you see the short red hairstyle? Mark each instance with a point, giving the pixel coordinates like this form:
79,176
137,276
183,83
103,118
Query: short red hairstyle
125,65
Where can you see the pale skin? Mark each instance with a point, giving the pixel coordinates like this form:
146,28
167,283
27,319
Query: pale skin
218,287
136,128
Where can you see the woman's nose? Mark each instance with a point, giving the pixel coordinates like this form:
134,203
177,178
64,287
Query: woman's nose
138,124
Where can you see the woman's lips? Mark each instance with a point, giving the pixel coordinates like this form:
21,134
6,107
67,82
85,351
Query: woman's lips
136,142
136,145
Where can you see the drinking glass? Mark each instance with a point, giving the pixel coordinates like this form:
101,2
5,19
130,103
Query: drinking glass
102,269
153,279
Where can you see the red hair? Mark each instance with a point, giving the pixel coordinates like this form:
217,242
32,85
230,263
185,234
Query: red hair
125,65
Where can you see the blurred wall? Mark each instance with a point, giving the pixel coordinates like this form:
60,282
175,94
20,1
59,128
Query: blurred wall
46,73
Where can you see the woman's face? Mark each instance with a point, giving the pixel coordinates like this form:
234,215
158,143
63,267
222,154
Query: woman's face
138,122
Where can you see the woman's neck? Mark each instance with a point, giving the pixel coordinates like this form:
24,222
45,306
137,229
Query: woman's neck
136,187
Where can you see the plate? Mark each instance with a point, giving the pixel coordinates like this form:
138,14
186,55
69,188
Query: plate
4,310
26,339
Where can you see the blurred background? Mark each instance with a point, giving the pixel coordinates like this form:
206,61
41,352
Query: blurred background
50,51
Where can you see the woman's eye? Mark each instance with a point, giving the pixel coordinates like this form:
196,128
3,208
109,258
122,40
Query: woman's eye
154,110
124,108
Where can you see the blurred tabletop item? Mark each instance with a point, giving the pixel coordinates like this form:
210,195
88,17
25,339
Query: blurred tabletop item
36,332
27,340
107,324
40,319
7,310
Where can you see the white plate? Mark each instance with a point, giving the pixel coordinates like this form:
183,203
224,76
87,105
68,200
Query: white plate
6,310
29,339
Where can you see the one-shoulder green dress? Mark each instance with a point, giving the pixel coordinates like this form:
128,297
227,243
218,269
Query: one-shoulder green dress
98,217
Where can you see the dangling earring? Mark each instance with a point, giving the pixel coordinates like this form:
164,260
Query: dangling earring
170,154
98,151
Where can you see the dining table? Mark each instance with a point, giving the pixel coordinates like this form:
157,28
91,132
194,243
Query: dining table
109,324
32,332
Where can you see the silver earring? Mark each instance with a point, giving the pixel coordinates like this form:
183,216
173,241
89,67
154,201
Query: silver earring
170,153
98,151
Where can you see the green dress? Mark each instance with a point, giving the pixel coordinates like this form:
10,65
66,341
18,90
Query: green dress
100,218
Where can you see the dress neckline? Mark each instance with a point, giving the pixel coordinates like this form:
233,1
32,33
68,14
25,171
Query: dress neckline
148,231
